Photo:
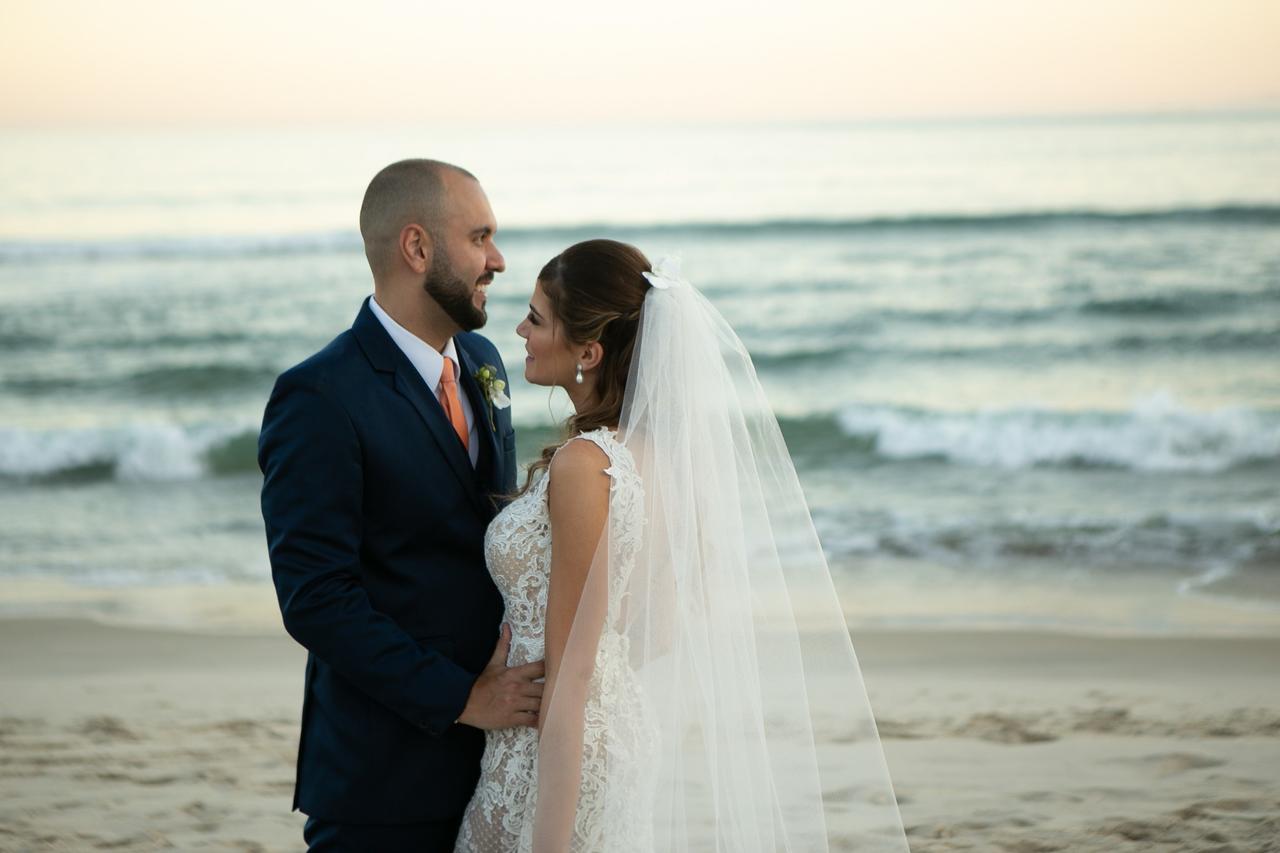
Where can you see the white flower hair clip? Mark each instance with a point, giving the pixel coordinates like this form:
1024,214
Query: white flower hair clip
666,274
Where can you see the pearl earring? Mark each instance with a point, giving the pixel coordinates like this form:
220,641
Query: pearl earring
578,377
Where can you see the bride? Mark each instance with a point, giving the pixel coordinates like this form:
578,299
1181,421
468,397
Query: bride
701,691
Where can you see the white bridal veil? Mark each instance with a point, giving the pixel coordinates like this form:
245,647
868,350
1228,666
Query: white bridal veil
709,697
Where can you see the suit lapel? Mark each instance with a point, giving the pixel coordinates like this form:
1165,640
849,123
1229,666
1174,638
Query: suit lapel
386,357
490,471
410,385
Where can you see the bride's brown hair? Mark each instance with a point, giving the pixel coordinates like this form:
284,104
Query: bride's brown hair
596,289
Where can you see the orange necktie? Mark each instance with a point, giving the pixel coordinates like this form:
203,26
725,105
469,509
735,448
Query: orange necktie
452,405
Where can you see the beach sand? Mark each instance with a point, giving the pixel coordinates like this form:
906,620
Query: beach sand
141,739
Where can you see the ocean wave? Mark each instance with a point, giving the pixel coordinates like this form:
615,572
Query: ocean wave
163,381
1176,303
167,380
1213,340
1158,541
820,347
195,247
137,452
18,340
769,356
223,246
1156,434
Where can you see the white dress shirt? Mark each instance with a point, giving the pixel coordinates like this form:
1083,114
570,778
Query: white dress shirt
430,364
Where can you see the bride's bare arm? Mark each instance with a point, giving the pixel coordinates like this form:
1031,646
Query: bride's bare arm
578,495
579,508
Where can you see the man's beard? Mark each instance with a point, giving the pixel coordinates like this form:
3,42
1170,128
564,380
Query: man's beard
453,294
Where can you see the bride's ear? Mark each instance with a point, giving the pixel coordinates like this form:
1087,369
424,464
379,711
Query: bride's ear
590,355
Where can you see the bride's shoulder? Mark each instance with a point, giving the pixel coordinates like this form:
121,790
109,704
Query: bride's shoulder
576,453
578,479
591,451
591,470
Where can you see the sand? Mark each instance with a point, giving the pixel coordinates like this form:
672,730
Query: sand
115,738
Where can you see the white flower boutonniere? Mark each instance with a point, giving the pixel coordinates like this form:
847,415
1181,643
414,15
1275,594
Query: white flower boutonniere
492,387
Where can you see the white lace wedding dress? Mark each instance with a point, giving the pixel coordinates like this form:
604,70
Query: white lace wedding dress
618,722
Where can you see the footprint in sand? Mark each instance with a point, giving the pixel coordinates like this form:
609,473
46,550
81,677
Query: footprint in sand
1171,763
1054,796
105,729
897,729
1226,807
1228,824
242,728
10,726
1104,720
208,817
1000,728
1031,845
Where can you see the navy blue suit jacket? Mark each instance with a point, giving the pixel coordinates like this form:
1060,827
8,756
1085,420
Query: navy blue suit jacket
375,524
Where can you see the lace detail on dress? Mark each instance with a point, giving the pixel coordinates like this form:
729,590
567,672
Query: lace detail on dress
618,722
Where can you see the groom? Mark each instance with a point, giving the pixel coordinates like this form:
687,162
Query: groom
379,455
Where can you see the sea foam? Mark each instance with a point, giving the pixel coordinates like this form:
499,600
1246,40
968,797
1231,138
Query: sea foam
133,452
1155,434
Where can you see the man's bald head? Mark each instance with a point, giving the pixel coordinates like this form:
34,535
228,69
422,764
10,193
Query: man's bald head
410,192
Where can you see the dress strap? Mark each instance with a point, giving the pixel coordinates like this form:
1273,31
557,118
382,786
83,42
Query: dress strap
602,438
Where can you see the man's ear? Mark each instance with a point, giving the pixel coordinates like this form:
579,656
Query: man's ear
590,355
416,248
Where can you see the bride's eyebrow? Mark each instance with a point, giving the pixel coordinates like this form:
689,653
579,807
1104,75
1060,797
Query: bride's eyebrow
534,311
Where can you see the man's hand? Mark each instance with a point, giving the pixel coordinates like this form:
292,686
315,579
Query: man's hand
503,696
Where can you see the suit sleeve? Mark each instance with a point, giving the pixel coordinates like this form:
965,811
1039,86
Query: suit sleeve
312,492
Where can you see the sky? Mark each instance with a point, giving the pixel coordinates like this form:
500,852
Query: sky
234,62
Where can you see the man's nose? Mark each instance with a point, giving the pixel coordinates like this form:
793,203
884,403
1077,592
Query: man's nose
497,263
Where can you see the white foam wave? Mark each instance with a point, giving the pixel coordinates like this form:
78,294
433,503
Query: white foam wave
140,451
1155,434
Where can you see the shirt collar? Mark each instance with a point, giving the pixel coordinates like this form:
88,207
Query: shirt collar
424,357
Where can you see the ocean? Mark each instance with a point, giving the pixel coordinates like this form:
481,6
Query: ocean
1028,370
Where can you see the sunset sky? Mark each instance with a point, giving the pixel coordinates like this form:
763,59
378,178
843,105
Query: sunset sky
256,61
